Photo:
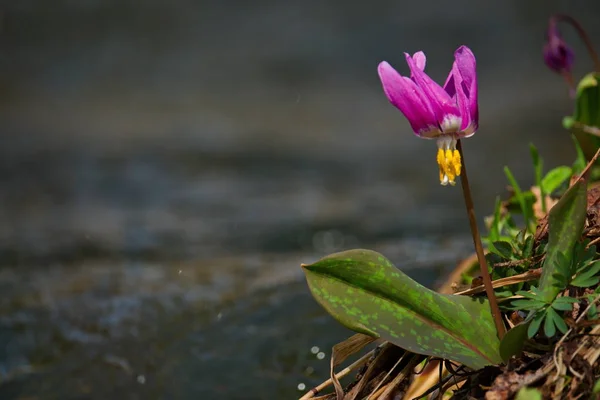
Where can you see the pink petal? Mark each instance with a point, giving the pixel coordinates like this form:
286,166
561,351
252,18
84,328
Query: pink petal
441,102
420,60
466,66
405,95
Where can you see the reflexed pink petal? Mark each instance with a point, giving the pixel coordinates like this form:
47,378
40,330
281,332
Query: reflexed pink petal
455,84
441,102
466,66
420,60
405,95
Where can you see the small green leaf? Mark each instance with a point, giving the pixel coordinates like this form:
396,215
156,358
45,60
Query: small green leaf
527,305
596,388
363,291
503,249
580,161
565,220
585,283
560,323
555,177
535,324
549,327
528,247
495,226
526,393
564,303
586,275
587,106
513,341
529,295
538,166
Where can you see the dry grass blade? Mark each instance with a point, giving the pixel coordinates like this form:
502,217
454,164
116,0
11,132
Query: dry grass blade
343,350
387,350
385,392
357,364
524,277
425,380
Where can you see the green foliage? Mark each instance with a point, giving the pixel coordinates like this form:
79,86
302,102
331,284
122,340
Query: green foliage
565,224
596,389
587,105
363,291
525,200
513,342
555,178
528,394
578,270
538,167
580,161
587,276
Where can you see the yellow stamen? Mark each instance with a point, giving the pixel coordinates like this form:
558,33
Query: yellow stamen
457,162
449,162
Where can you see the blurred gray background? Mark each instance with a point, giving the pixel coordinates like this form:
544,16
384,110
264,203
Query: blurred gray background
167,165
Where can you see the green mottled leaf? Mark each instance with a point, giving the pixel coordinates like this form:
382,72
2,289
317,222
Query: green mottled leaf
555,177
363,291
565,224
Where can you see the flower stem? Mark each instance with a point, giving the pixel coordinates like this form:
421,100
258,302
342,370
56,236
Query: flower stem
487,280
583,35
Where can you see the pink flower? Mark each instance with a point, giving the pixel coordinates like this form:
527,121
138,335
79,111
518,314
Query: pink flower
557,55
445,113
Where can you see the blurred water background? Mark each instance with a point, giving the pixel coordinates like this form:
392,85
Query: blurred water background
165,167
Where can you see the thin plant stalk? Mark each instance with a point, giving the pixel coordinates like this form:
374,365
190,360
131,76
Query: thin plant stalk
583,35
487,280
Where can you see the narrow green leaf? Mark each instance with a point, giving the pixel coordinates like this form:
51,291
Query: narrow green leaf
363,291
528,247
560,324
565,224
580,161
495,226
589,271
562,306
593,311
529,295
523,203
585,283
535,324
538,166
527,305
549,327
556,177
